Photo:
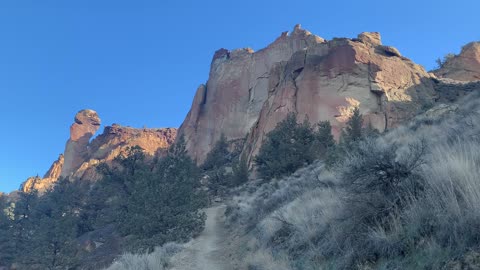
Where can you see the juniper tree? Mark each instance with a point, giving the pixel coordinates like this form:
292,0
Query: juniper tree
23,223
56,216
218,156
324,138
353,130
215,163
240,171
286,148
164,203
7,248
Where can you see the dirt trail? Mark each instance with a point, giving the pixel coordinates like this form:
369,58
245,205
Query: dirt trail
206,252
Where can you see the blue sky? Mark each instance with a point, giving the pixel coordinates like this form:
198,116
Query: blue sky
138,63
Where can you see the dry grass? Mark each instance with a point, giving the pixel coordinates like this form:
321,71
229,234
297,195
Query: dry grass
157,260
407,200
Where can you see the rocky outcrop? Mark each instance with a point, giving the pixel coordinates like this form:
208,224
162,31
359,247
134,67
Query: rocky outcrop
42,184
248,92
86,124
56,168
81,156
462,67
372,38
116,139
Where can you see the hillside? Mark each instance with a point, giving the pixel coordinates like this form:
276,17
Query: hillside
307,154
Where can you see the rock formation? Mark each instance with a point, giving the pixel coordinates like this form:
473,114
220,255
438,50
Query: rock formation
462,67
116,139
248,92
42,184
82,156
86,124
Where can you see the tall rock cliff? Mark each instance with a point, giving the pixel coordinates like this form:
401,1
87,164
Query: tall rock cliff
82,156
248,92
462,67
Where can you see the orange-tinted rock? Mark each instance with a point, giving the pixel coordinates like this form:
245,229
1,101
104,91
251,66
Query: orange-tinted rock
86,124
116,139
463,67
49,179
248,93
56,168
372,38
81,157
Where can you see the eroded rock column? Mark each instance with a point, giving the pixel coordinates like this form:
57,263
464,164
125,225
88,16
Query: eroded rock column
86,124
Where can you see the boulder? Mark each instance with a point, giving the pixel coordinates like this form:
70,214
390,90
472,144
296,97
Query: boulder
371,38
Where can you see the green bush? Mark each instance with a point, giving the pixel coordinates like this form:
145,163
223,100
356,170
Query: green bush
378,182
446,58
290,146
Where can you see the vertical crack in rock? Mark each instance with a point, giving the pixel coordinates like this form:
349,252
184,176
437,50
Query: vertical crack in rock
204,97
386,121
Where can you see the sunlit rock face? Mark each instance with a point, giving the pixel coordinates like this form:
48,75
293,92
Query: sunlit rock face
49,179
83,155
248,92
463,67
116,139
84,127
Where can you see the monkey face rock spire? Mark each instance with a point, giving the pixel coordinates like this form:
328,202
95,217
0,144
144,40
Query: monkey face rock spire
84,127
82,155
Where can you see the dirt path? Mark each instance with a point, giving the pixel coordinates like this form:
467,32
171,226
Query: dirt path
206,252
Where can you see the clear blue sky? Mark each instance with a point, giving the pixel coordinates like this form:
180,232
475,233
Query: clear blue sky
139,62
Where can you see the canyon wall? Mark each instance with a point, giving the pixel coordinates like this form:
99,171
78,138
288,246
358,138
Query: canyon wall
249,92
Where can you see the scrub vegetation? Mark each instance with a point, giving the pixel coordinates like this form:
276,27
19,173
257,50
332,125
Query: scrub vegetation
406,199
137,206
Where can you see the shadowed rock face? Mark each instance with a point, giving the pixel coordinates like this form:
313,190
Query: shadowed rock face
81,156
463,67
248,92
